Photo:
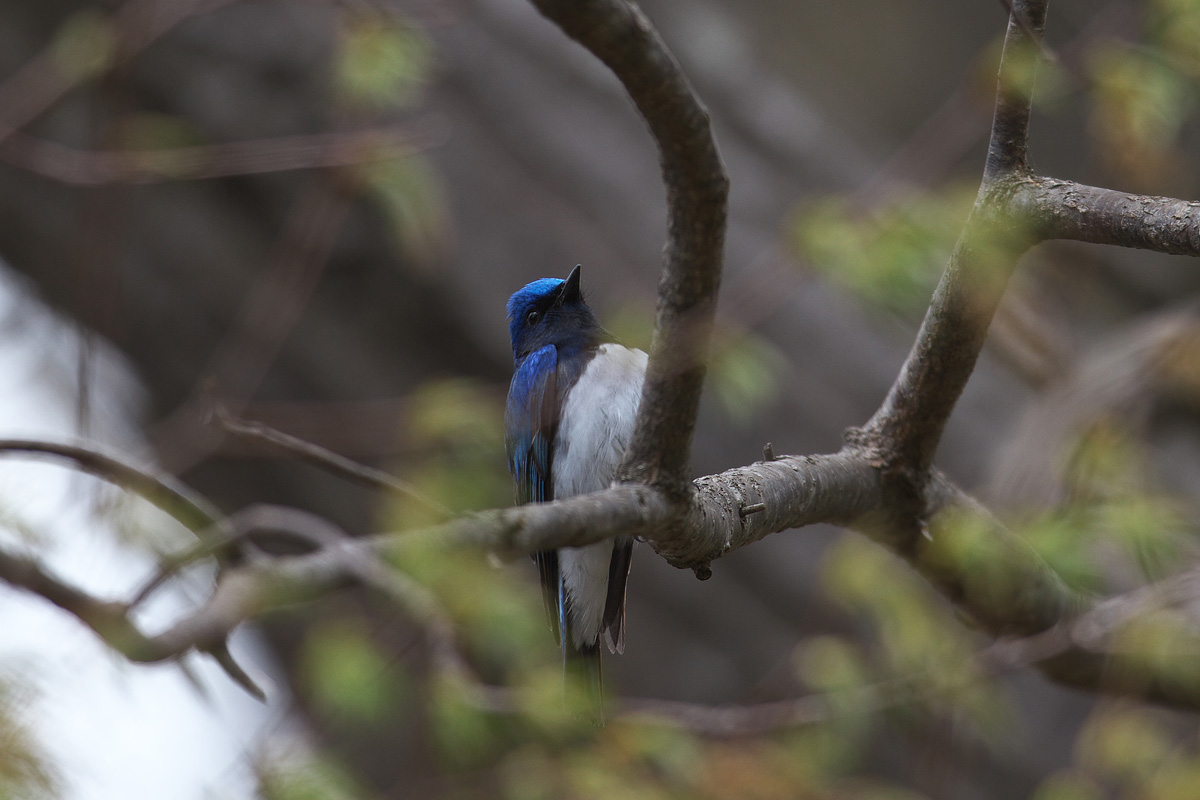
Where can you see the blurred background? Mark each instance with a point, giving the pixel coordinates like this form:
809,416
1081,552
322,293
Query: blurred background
314,211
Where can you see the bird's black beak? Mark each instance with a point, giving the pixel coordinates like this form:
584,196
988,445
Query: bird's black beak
571,292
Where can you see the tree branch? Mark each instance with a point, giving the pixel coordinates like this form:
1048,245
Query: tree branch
324,458
620,35
1058,209
908,425
190,508
1014,92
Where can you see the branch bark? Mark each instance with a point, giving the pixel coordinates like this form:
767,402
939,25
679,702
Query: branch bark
909,424
1059,209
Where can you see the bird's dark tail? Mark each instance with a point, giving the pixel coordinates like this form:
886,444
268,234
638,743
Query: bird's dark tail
582,672
581,667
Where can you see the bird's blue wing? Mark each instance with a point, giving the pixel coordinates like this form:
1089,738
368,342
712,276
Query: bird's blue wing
530,423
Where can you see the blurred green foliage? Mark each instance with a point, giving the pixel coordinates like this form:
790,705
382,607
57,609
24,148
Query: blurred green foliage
25,771
1174,26
304,777
455,428
148,130
383,62
890,256
1139,105
85,45
1143,94
744,374
410,196
346,675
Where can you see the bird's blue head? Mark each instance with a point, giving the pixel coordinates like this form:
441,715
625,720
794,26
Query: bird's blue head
551,311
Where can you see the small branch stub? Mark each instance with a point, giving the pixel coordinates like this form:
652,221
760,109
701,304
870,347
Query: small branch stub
754,508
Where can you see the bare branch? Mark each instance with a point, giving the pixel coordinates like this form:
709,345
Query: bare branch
325,459
1058,209
620,35
908,425
1016,593
1060,651
175,498
235,671
1014,92
1034,35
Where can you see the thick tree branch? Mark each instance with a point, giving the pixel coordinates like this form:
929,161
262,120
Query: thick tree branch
1058,209
908,425
620,35
994,575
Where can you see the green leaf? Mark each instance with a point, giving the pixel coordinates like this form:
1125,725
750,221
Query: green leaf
25,770
289,777
1139,105
465,735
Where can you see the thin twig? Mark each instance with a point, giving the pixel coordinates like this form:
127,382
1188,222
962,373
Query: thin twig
325,459
268,315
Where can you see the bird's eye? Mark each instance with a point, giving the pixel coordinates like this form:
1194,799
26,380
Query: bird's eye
532,317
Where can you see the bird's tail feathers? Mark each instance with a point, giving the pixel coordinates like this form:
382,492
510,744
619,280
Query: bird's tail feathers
584,679
582,675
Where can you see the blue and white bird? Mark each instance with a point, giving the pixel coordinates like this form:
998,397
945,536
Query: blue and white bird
571,409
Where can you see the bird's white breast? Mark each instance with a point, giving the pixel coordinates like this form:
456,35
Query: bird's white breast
594,430
597,420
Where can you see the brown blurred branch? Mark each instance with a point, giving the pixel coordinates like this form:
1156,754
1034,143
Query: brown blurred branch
41,82
322,150
266,318
1058,651
1116,382
908,425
